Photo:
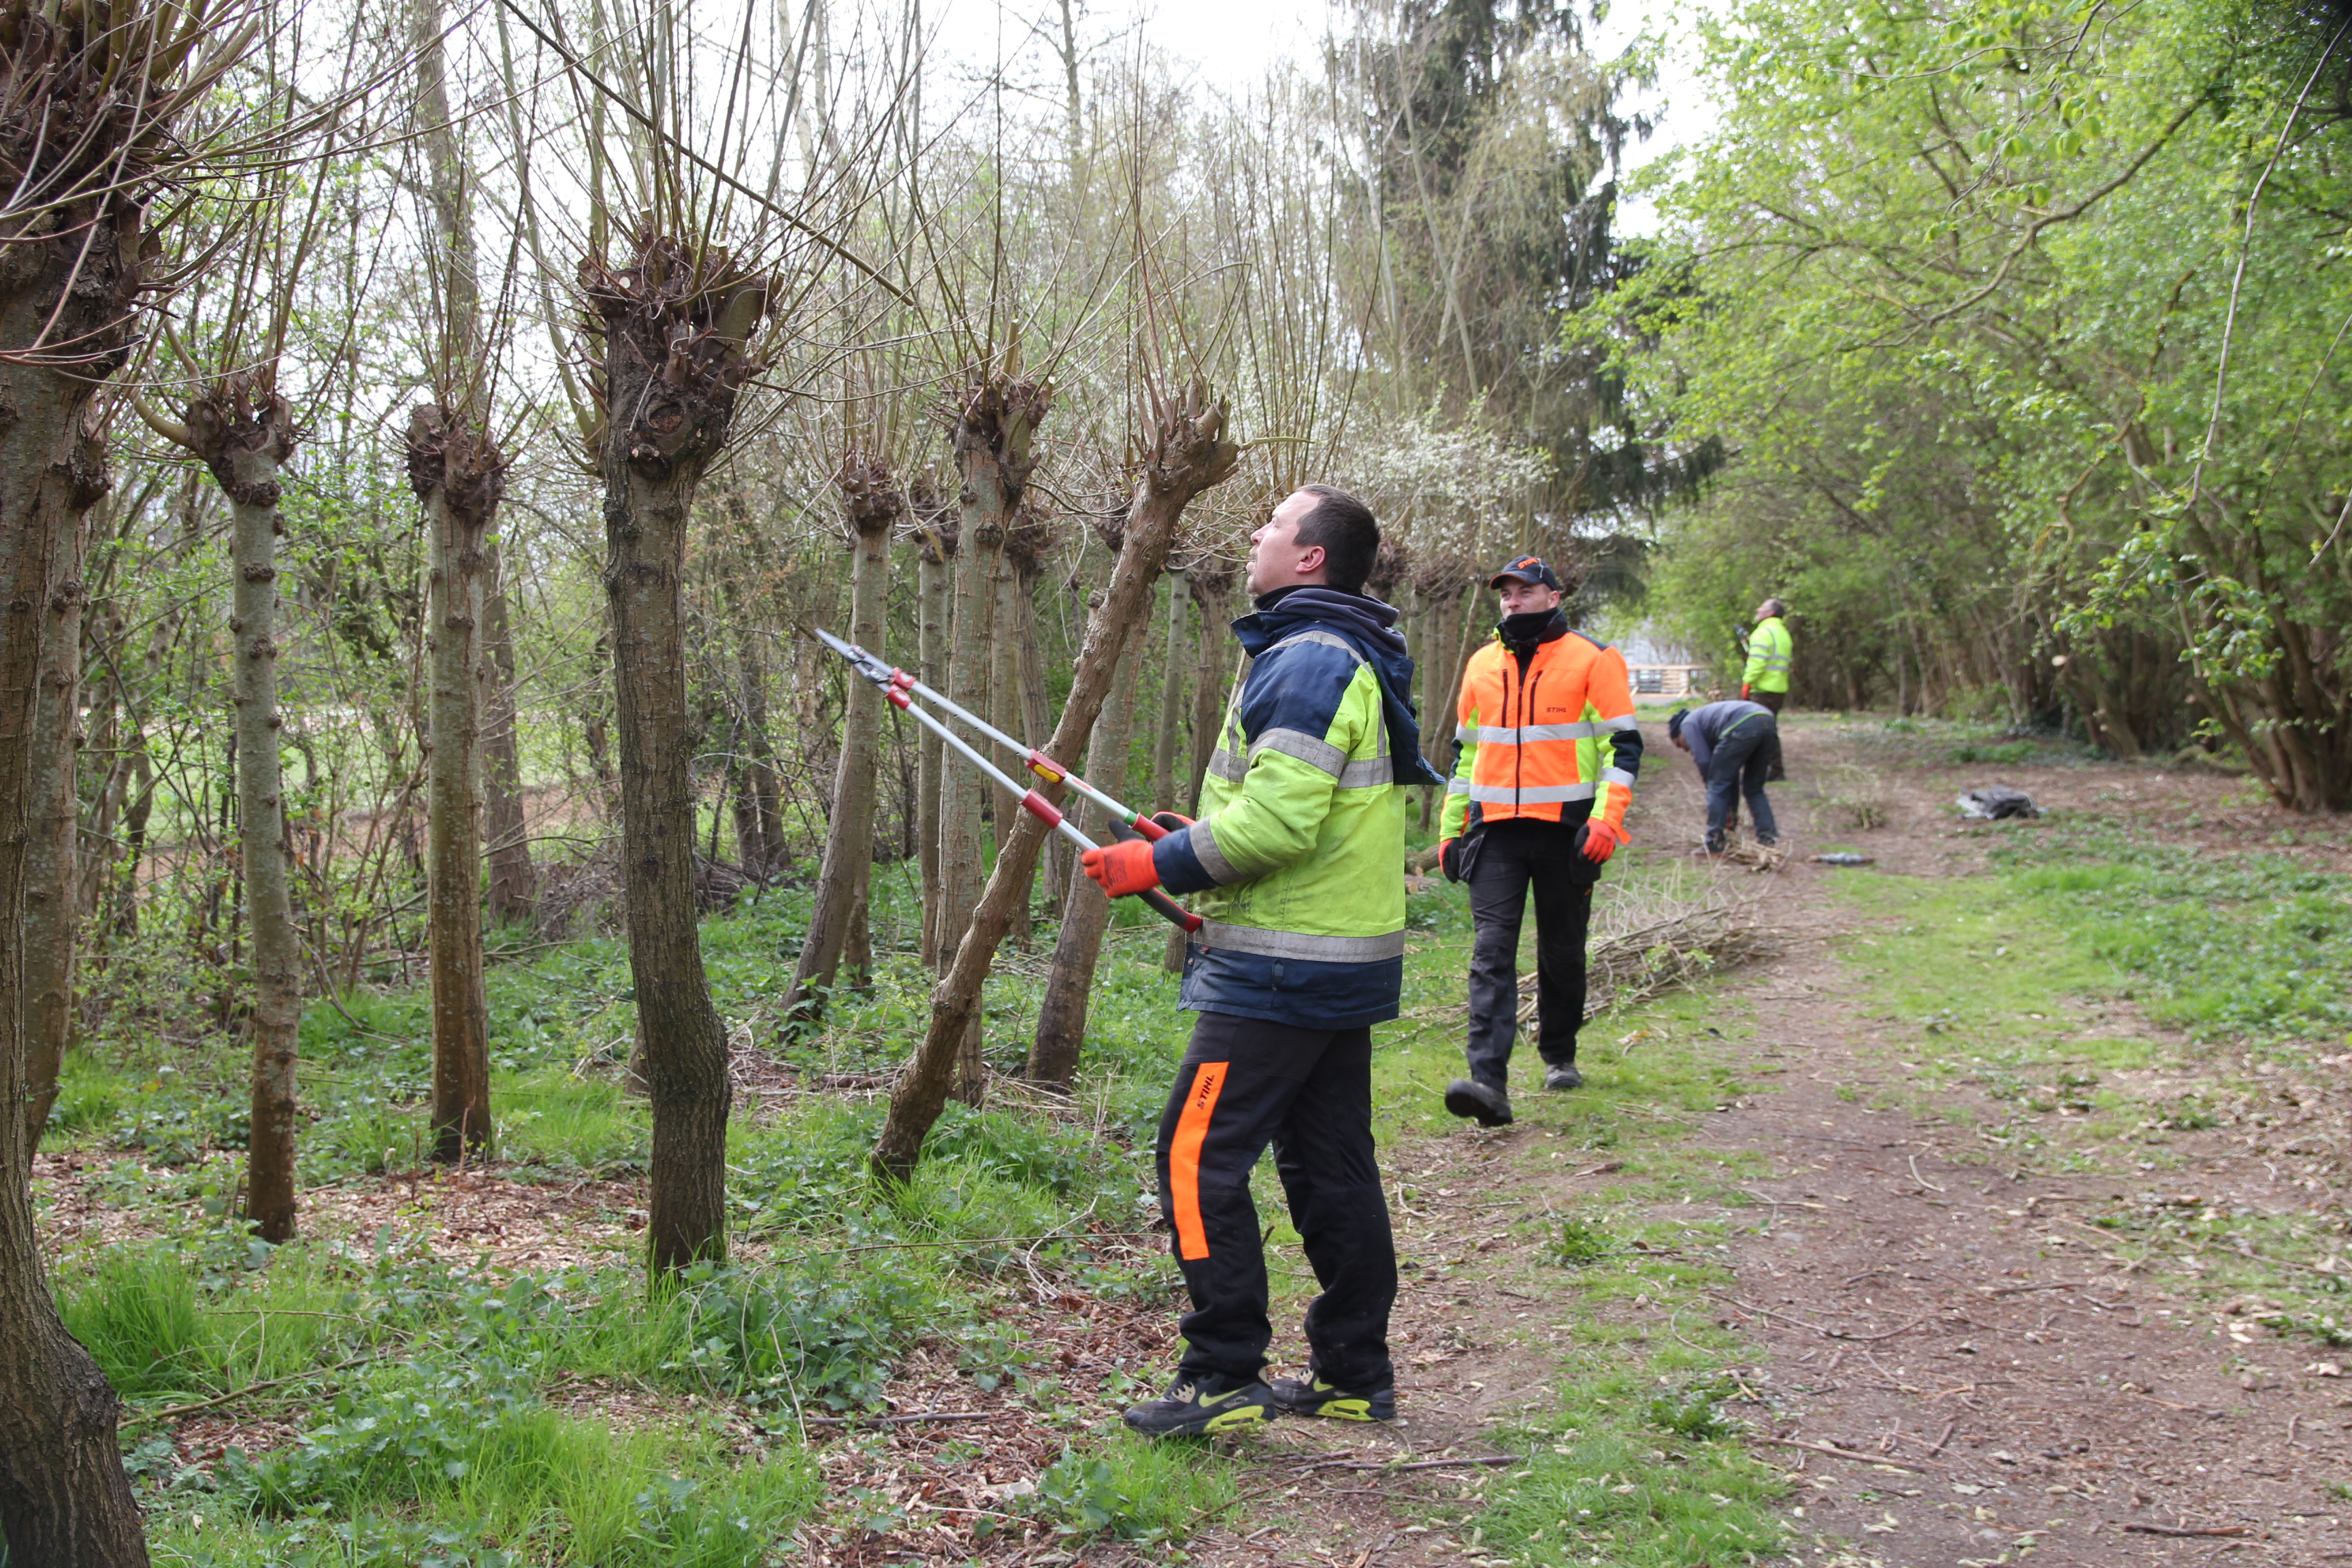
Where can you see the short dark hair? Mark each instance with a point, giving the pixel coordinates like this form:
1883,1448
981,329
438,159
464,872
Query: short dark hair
1349,536
1773,607
1675,724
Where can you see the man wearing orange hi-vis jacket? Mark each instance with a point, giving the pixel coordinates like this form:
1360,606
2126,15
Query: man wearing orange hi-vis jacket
1547,750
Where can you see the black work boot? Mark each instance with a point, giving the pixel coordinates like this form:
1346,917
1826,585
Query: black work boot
1468,1097
1563,1075
1310,1395
1194,1407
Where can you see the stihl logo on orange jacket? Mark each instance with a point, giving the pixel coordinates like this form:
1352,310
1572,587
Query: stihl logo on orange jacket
1534,740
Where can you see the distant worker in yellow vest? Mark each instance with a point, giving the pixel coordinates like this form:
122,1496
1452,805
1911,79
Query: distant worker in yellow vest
1764,682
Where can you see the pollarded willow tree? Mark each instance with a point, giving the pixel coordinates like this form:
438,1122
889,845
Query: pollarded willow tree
676,324
89,103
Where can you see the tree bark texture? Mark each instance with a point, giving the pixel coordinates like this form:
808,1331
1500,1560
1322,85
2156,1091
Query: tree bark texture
506,824
675,327
1030,543
1004,684
1168,718
68,277
457,474
244,433
993,438
1212,586
52,883
934,564
873,508
1086,914
1184,451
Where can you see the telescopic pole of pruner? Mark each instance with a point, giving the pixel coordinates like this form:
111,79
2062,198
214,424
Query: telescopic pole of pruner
1036,805
1035,760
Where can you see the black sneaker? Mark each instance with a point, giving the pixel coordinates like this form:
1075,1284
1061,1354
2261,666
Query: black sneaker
1563,1076
1196,1406
1310,1395
1467,1096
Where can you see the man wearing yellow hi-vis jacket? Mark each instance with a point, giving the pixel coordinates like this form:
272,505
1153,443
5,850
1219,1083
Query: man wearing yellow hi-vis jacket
1546,752
1298,864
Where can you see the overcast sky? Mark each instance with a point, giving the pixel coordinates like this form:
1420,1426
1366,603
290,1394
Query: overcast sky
1232,43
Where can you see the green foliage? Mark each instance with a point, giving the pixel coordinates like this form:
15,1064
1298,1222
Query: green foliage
1958,285
2246,945
137,1316
1581,1241
1133,1488
818,1332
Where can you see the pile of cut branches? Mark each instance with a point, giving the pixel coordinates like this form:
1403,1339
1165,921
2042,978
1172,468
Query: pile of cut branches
1649,937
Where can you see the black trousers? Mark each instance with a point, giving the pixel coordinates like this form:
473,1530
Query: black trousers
1773,770
1519,856
1738,767
1244,1084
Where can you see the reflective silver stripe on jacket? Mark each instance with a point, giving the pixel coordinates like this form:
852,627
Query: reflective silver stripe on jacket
1489,735
1203,836
1617,776
1623,721
1457,785
1539,795
1297,944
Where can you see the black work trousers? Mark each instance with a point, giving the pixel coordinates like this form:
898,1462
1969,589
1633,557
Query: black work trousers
1738,767
1519,856
1244,1084
1774,771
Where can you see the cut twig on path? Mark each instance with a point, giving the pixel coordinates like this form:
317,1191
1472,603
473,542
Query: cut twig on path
1835,1452
2185,1532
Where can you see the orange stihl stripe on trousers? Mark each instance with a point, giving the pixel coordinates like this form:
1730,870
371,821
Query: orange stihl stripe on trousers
1184,1160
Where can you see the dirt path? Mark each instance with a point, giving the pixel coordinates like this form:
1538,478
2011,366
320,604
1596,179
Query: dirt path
1952,1366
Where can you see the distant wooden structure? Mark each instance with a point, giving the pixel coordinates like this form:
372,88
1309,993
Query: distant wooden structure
1664,671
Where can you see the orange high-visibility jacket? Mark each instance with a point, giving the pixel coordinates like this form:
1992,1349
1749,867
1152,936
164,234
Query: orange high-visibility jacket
1532,744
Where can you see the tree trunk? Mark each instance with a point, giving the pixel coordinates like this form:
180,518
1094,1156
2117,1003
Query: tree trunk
245,433
1169,721
1212,591
1036,711
457,475
1004,683
991,438
674,326
52,907
934,565
1209,584
64,1498
873,508
1086,914
1185,453
506,824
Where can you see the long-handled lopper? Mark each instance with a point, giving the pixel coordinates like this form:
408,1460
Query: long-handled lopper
1035,760
898,688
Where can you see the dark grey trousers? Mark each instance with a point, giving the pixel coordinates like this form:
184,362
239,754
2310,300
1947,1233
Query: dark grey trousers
1737,767
1519,857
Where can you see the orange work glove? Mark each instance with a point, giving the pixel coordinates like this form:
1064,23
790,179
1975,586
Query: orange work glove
1743,692
1122,869
1601,840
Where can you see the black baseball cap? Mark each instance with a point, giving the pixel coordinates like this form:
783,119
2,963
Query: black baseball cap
1526,569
